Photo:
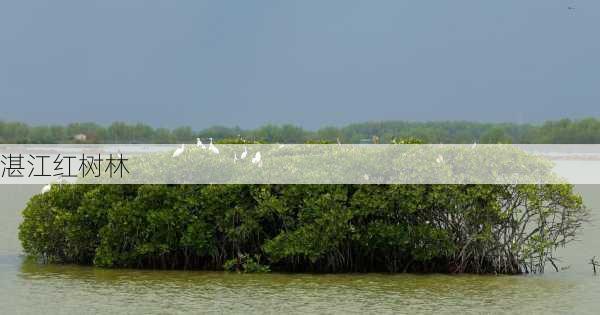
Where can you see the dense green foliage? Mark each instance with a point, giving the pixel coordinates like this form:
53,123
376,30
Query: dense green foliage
318,228
562,131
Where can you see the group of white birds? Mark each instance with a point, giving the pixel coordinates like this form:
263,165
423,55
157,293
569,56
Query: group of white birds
211,147
257,159
440,158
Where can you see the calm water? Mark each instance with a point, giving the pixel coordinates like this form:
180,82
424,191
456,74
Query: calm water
27,287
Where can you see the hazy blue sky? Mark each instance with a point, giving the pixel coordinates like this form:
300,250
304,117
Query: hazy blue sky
308,62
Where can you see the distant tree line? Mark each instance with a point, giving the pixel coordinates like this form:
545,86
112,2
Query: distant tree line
561,131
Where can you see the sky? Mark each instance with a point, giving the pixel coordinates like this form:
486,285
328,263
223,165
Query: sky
312,63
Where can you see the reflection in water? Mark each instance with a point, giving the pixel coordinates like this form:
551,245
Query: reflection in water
72,287
27,287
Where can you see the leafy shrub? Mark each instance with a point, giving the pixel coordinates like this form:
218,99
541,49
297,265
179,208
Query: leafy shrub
316,228
247,264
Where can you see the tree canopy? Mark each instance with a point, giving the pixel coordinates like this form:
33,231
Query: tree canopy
317,228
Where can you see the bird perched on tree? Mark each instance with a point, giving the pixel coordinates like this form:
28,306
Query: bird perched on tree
257,159
46,188
212,147
200,144
179,151
439,159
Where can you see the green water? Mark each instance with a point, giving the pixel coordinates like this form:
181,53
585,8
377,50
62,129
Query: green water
26,287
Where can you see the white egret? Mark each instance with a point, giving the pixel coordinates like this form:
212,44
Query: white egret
212,147
244,154
200,144
46,188
440,159
179,151
257,159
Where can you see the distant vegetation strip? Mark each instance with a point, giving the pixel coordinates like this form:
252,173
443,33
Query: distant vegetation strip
561,131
